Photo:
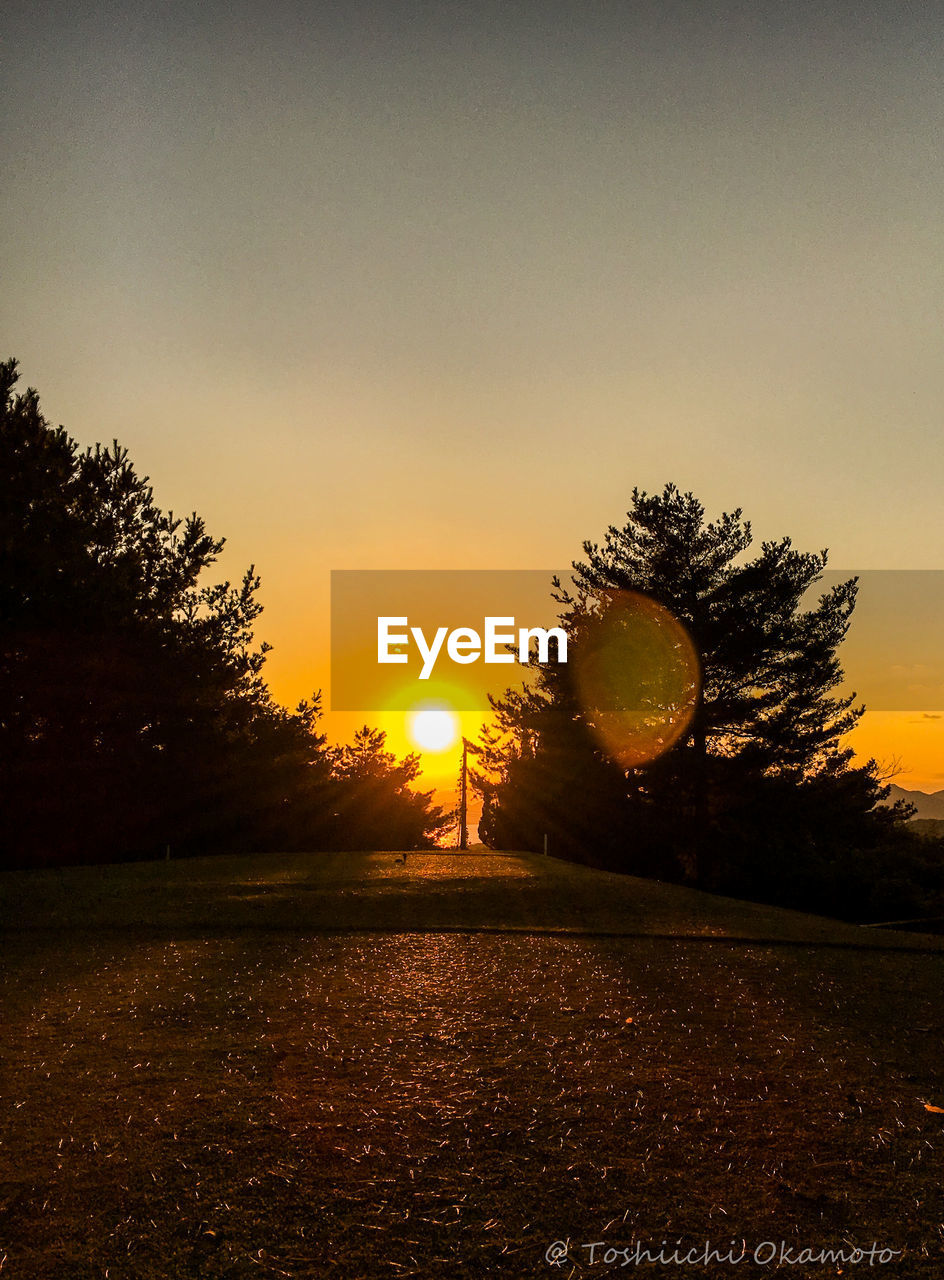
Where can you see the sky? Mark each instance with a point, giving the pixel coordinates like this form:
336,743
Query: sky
406,285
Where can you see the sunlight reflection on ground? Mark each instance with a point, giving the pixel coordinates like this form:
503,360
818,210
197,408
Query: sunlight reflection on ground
448,1105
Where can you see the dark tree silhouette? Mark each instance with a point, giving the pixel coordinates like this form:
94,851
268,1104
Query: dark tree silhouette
133,712
375,800
763,754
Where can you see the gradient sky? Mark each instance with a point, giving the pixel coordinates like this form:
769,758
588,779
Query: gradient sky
435,285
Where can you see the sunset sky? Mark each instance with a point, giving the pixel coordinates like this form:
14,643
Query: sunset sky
435,285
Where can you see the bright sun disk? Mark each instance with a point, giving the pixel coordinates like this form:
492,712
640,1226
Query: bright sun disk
433,728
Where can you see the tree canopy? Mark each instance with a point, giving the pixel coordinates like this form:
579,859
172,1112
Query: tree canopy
133,710
760,787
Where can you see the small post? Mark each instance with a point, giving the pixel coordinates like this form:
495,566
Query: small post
545,844
167,853
463,799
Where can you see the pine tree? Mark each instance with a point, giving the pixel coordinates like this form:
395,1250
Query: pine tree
133,710
377,807
768,709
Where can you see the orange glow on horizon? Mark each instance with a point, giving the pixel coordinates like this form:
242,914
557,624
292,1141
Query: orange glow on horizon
912,740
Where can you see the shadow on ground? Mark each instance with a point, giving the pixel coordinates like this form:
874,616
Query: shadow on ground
402,893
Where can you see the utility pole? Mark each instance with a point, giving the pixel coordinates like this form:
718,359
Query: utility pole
463,799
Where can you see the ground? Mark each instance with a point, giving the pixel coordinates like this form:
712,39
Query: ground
353,1066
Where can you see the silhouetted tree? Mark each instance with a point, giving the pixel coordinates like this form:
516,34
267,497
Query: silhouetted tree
133,712
376,807
541,772
764,746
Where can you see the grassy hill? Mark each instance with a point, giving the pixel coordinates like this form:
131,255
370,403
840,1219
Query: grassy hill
436,891
352,1065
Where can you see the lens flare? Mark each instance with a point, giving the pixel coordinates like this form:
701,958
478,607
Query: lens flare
637,676
433,728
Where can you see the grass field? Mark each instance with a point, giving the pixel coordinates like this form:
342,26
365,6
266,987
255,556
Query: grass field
438,891
346,1065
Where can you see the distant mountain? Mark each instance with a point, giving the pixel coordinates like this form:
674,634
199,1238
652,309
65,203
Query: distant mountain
928,806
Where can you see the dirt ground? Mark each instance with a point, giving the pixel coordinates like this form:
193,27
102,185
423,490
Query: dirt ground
270,1102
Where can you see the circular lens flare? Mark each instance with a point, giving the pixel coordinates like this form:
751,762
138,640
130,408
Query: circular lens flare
433,728
637,676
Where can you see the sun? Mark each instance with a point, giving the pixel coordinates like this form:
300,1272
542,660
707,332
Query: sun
433,728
